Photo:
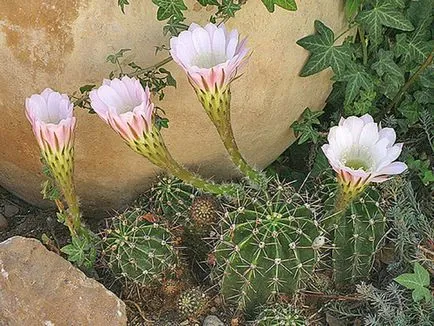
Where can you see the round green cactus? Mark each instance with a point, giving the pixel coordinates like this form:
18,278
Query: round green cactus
280,314
138,249
172,198
191,303
269,245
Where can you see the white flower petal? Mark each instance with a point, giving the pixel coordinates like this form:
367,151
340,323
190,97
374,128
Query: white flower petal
354,125
393,168
201,42
389,134
367,118
219,46
110,97
369,135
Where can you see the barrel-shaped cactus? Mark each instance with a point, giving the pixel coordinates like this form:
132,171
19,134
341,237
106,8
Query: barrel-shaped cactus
269,245
172,198
356,235
280,314
137,249
192,303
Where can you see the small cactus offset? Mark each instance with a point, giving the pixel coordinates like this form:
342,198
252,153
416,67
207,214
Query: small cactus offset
192,303
172,198
204,211
269,245
280,314
138,249
357,234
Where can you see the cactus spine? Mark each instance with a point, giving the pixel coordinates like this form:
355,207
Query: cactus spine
139,250
266,247
357,233
192,303
280,314
172,198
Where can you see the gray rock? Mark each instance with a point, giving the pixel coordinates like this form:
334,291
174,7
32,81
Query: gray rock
212,320
11,210
3,222
38,287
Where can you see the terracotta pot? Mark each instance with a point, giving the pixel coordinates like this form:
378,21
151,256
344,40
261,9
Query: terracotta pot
63,45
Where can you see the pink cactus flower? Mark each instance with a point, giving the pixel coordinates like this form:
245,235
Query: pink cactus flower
211,56
53,123
125,105
360,152
52,120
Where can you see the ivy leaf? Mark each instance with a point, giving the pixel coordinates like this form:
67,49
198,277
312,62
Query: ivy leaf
410,109
305,127
208,2
174,26
122,4
357,79
413,48
418,282
228,8
113,58
351,7
391,74
383,13
169,8
324,53
80,251
86,88
285,4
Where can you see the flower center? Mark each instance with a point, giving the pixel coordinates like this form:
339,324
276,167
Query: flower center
358,158
208,60
357,164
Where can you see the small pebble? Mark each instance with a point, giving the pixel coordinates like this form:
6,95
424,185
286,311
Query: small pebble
3,222
10,210
212,320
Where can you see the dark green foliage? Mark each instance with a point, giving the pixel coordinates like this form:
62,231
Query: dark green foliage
285,4
385,69
324,52
306,126
418,282
137,249
191,303
169,8
392,306
122,4
268,246
280,314
82,249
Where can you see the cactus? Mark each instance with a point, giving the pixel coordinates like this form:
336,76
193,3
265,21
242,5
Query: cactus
137,249
204,211
357,232
280,314
172,198
192,303
268,246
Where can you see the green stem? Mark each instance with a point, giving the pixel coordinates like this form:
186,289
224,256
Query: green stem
62,169
217,106
409,82
150,68
152,146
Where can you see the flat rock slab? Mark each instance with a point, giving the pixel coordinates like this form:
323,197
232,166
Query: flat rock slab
38,287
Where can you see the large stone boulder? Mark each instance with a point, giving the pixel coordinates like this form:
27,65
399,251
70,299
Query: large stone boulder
38,287
63,44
